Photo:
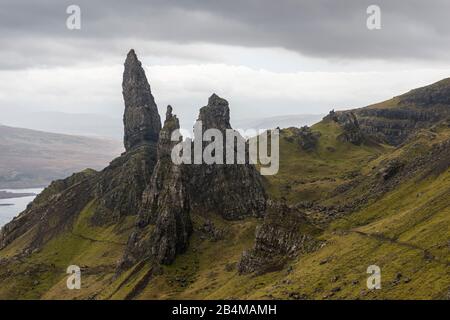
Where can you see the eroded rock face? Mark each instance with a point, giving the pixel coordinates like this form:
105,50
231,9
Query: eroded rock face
350,125
279,238
305,137
141,118
394,126
164,225
232,190
308,139
120,185
216,114
436,94
406,114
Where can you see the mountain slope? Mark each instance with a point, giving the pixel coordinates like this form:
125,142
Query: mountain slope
392,121
32,158
347,196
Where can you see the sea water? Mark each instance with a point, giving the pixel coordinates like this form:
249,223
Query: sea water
17,205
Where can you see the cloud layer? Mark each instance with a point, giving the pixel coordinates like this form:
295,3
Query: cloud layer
266,57
34,33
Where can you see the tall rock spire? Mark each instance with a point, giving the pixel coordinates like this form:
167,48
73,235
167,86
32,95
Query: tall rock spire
165,206
141,118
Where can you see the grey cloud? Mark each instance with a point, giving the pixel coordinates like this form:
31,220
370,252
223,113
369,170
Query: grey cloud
34,32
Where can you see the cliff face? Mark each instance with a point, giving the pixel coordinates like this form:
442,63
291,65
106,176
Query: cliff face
280,237
435,94
234,191
393,121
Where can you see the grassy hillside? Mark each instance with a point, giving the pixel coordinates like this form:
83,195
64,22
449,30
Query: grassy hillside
402,226
311,175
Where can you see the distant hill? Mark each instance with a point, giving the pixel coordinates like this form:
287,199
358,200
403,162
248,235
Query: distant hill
96,125
31,158
393,121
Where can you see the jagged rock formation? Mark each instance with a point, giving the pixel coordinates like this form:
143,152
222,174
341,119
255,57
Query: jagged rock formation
177,191
144,181
281,236
216,114
305,137
435,94
394,126
350,125
391,169
164,224
308,139
120,186
233,191
141,118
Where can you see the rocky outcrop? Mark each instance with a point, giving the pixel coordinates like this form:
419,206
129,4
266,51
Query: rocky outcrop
232,190
141,118
144,182
216,114
304,137
121,184
349,123
280,237
164,225
176,192
435,94
307,138
395,120
391,169
394,126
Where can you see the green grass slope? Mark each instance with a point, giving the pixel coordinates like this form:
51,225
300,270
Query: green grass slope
404,230
311,175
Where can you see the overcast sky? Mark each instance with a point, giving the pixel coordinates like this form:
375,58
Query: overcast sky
266,57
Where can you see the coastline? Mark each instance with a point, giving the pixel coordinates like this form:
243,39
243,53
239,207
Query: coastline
12,195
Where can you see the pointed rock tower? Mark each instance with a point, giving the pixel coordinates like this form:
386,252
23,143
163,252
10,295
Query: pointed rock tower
164,224
121,184
141,118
